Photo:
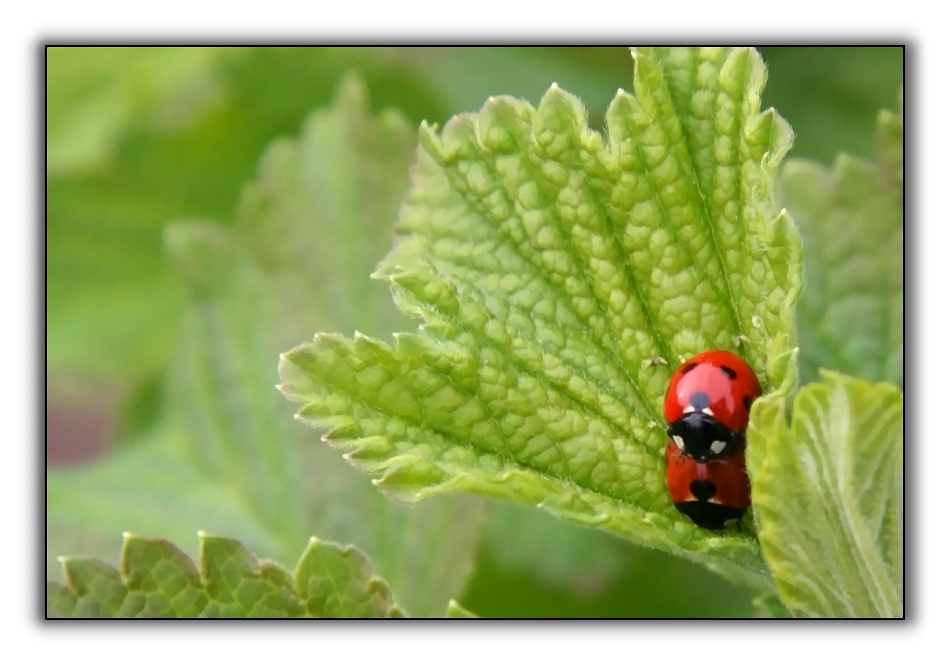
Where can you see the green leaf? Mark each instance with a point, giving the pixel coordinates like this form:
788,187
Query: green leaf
560,279
319,215
252,290
156,579
298,259
851,317
338,582
220,389
456,611
828,496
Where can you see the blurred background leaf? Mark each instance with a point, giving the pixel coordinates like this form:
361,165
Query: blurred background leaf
326,198
851,216
139,137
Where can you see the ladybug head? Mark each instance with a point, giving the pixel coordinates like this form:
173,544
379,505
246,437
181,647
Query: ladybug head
704,438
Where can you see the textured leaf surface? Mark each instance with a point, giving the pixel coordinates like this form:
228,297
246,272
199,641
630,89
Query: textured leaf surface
828,497
851,217
234,460
156,579
561,279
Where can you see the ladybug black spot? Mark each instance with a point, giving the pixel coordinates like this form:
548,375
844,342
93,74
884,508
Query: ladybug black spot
709,515
747,403
728,372
699,400
688,368
703,490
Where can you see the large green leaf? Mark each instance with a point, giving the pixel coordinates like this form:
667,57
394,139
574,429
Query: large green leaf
828,496
561,278
851,317
156,579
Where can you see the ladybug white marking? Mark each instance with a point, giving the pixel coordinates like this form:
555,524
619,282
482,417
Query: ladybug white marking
717,447
689,409
678,440
730,522
707,411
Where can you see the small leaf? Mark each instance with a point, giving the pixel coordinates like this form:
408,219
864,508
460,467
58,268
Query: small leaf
549,265
828,497
159,580
337,582
851,317
456,611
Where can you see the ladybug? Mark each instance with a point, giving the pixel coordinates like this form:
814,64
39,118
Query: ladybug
707,409
713,494
707,405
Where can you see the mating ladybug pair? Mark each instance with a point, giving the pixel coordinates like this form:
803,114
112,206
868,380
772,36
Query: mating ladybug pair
707,409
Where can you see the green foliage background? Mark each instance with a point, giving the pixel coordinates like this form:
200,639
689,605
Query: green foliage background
139,139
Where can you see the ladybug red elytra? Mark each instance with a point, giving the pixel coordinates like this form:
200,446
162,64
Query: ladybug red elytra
711,493
707,404
707,409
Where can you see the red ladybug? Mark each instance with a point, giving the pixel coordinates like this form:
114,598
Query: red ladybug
707,405
707,409
713,494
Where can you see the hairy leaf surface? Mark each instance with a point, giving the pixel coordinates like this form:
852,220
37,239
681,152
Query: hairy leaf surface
828,496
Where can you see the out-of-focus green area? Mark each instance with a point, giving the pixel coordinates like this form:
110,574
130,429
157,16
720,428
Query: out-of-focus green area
138,138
